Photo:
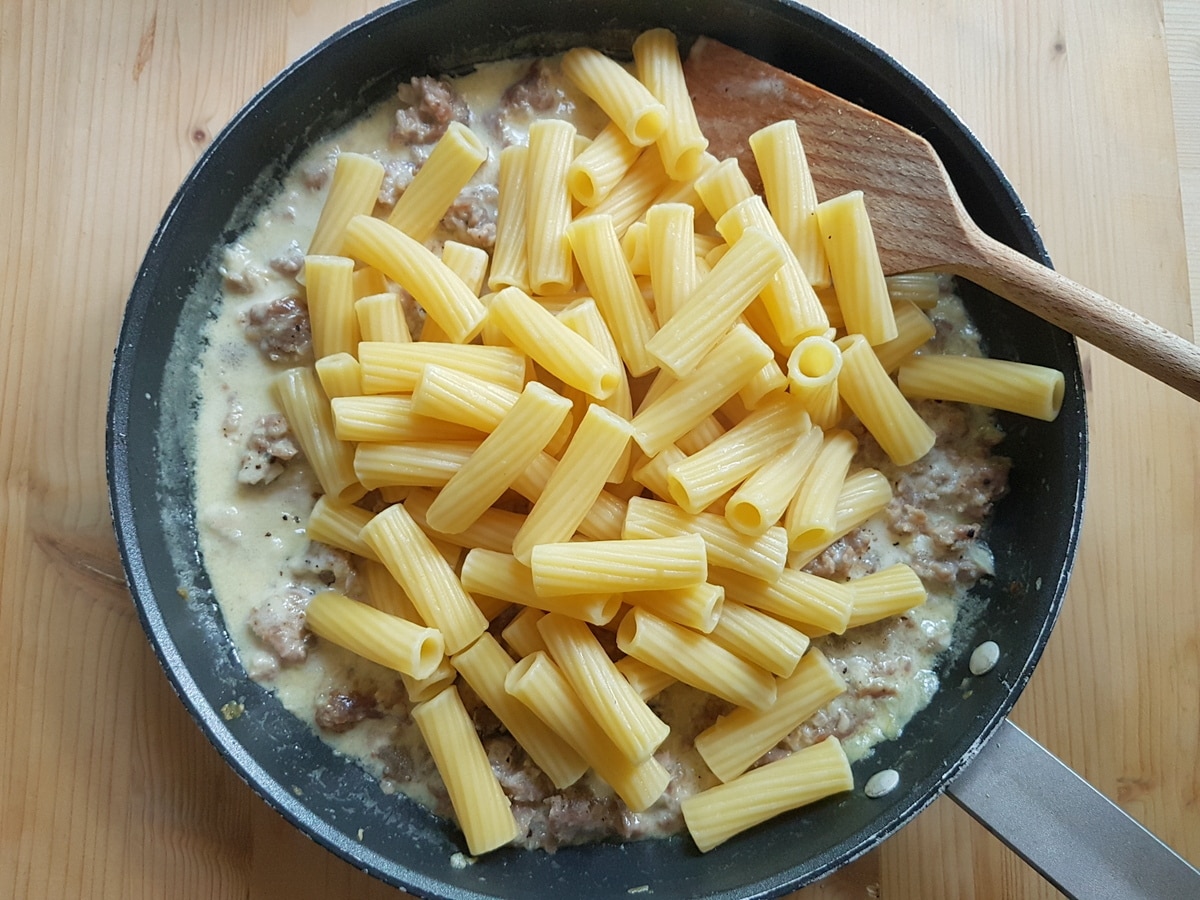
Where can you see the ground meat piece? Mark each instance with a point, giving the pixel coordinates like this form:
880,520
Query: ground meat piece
268,448
339,711
431,106
471,219
536,94
326,565
239,271
233,417
316,176
279,327
397,176
279,623
522,781
575,816
290,261
849,557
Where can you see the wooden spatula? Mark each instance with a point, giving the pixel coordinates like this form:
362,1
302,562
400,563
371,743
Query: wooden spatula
918,218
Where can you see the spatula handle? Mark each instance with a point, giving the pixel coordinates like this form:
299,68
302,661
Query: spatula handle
1125,334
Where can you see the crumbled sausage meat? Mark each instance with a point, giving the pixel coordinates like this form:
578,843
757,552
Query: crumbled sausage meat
431,106
268,448
279,623
279,327
471,219
239,271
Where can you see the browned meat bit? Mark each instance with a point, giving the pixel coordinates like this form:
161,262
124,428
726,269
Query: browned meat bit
534,92
326,565
268,448
848,557
340,710
279,327
239,271
471,219
397,176
575,816
290,261
431,106
279,623
522,781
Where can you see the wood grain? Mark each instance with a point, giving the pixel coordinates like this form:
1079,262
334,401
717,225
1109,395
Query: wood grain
109,790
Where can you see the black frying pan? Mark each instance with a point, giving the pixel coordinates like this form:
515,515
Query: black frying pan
1034,533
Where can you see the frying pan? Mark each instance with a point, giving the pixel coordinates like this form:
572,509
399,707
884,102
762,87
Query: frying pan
152,402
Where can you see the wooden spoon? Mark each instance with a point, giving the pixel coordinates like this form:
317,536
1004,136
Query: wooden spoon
918,219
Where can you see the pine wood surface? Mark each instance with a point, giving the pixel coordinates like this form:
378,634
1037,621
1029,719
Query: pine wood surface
109,789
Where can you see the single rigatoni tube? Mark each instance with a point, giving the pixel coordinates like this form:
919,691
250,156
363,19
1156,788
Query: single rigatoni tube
791,195
698,480
790,301
426,577
391,419
888,592
560,351
618,565
697,606
922,289
652,473
338,525
865,493
603,521
484,666
671,248
760,501
694,659
687,402
760,639
813,369
483,811
416,464
706,431
854,265
577,480
369,281
606,273
626,101
763,556
770,381
381,318
353,191
537,682
510,260
340,375
914,329
613,703
455,396
599,168
522,635
879,405
634,194
505,577
392,642
799,597
329,289
307,411
1016,387
467,262
414,267
456,156
722,187
494,530
715,304
384,592
717,814
633,244
681,143
391,368
548,206
514,444
737,740
812,515
421,689
648,681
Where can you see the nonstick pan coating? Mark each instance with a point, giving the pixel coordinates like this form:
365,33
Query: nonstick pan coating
1033,535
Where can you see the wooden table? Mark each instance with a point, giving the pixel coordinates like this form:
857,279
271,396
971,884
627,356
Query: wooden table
108,788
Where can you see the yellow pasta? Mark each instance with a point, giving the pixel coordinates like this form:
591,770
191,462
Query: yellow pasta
329,288
634,194
671,249
812,515
855,268
514,444
813,369
338,525
717,814
791,196
480,805
413,464
760,501
456,156
807,600
716,302
340,375
503,576
619,565
694,659
484,666
307,411
763,556
421,689
414,267
384,592
391,419
1016,387
510,261
913,329
681,143
770,381
606,273
648,681
522,634
922,289
368,282
633,245
391,368
425,575
548,206
493,530
625,100
576,482
467,262
888,592
879,405
865,493
563,353
760,639
697,606
352,191
739,739
385,639
603,521
652,473
381,318
537,682
598,169
623,715
722,187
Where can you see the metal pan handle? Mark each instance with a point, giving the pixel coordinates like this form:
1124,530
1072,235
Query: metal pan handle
1078,839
